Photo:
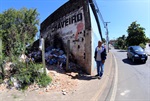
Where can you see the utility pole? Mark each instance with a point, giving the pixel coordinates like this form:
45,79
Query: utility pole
42,48
68,51
107,37
0,49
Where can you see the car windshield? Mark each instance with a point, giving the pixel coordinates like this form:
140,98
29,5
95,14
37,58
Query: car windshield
137,48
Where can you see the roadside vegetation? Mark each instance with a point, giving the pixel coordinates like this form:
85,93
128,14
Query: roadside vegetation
136,36
17,30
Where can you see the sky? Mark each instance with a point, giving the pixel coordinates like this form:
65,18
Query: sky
120,13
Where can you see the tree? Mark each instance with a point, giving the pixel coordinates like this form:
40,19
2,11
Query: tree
121,42
136,35
103,40
17,28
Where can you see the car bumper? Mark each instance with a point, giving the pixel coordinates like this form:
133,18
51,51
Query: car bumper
140,58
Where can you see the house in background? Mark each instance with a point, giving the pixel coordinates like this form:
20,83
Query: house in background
76,21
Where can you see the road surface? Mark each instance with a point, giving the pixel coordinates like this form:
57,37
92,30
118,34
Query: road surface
133,79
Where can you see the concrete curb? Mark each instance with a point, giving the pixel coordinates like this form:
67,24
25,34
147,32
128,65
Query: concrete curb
107,77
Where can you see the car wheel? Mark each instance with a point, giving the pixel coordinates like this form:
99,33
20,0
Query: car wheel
128,57
144,62
133,60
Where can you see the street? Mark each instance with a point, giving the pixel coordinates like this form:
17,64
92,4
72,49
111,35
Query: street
133,81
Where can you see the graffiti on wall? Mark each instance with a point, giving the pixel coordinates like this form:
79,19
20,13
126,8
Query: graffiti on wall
79,29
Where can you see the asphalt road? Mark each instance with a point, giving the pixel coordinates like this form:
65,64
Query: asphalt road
133,82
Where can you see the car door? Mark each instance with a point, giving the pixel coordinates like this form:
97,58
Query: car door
131,52
128,52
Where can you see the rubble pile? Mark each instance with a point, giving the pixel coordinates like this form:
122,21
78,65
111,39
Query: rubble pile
55,56
35,56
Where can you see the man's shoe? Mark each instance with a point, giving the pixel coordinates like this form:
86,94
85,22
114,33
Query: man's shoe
96,75
99,77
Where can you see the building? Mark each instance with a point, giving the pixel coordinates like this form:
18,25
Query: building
76,21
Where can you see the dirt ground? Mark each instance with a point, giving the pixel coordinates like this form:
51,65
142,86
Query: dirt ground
62,81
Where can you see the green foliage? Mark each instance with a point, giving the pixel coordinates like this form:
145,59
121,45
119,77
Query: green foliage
142,45
43,80
103,40
10,83
18,27
136,35
121,42
2,71
28,73
148,40
1,78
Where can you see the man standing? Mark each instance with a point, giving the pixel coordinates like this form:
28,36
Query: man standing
100,56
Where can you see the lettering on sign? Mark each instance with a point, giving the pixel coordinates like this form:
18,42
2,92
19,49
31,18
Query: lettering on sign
73,19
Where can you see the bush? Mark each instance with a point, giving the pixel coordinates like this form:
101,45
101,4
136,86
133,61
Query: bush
25,74
28,73
1,79
2,72
43,80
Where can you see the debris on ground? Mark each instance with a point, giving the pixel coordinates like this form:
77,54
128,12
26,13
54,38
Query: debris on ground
56,63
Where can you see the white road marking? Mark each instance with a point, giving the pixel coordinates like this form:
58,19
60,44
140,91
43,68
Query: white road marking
125,92
114,91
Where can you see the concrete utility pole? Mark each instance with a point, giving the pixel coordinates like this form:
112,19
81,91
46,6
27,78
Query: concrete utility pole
43,54
0,49
107,37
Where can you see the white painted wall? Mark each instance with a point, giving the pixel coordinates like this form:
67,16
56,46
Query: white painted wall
95,37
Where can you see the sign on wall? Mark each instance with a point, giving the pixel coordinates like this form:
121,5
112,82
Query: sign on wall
68,26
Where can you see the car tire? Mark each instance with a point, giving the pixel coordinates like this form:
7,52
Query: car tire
128,57
133,60
144,62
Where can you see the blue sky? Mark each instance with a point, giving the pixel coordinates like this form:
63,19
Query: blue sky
120,13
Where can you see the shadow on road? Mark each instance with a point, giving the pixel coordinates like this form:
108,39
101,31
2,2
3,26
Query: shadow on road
128,61
122,51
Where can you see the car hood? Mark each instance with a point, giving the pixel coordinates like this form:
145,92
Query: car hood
140,52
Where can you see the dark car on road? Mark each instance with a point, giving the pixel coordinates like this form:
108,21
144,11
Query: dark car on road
136,53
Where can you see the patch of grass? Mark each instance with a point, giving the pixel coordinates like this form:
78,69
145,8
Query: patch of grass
15,96
43,80
1,79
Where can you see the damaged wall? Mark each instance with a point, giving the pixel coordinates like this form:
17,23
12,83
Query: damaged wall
71,22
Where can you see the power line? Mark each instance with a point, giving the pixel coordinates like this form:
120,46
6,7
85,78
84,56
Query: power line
99,13
104,23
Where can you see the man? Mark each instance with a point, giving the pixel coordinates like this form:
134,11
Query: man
100,57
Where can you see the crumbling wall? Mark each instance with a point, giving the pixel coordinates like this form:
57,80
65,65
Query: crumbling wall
71,22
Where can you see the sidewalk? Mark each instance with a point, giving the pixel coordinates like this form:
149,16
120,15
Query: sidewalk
88,89
147,49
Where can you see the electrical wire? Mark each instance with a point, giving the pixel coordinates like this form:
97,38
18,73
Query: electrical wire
99,13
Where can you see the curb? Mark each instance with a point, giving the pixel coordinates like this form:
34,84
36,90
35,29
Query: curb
105,80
